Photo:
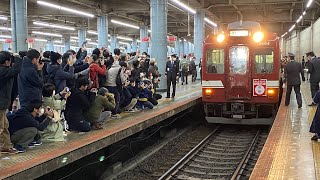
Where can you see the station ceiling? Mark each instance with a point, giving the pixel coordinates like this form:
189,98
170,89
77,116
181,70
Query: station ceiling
274,15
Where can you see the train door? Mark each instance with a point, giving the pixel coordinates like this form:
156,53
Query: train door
239,79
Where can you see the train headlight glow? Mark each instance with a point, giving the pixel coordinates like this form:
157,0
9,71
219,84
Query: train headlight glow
221,38
208,92
258,37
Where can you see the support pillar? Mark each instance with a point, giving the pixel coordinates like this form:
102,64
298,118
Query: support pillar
19,25
67,44
50,46
113,44
129,48
158,17
102,27
190,47
199,26
82,35
134,45
5,46
185,46
177,47
143,33
181,47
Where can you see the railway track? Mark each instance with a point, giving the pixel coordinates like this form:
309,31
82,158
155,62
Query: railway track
223,154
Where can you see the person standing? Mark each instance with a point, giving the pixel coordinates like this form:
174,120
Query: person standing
303,62
172,72
193,69
184,66
292,73
314,71
8,73
315,126
30,78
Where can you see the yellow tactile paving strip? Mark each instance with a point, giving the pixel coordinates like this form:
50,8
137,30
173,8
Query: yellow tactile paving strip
289,153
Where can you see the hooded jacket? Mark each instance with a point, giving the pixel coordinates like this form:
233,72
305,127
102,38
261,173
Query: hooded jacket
61,77
7,76
96,70
23,119
30,82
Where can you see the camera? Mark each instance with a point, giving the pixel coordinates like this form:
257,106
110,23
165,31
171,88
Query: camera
44,60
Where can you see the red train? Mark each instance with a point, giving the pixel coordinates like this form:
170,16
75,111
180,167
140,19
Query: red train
241,81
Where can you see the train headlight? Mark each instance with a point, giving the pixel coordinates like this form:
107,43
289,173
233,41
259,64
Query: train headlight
221,38
271,92
258,37
208,92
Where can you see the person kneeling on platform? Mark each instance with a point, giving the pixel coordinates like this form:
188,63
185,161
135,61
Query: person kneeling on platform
100,111
57,102
315,126
26,123
77,105
144,94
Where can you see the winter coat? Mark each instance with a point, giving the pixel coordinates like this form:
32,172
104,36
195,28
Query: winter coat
78,103
100,104
113,73
30,82
23,119
7,77
315,126
135,74
134,91
144,94
96,70
61,77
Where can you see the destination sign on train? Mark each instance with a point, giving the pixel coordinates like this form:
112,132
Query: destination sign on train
238,33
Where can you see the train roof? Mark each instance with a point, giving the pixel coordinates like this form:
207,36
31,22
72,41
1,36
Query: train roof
250,25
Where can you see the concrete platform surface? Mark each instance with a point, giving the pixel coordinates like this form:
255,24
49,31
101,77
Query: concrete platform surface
51,156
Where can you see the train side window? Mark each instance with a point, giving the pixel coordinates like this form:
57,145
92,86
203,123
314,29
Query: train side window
239,57
263,60
215,61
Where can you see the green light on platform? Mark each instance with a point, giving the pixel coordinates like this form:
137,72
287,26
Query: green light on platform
101,158
64,160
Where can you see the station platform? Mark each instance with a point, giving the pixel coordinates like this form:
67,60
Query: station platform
48,157
289,152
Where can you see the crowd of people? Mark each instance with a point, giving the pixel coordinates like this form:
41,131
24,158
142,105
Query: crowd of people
44,95
308,70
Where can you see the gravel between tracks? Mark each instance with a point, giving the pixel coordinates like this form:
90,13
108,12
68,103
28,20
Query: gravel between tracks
161,161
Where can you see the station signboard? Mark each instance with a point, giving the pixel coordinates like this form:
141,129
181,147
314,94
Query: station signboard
30,40
8,41
259,87
145,39
172,38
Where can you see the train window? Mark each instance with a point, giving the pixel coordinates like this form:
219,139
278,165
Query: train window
239,57
215,61
263,60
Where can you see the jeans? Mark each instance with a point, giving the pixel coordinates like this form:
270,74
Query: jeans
146,104
114,90
184,77
82,126
4,132
125,98
25,136
298,94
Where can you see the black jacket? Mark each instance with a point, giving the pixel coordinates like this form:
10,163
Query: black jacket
172,70
78,103
292,73
7,76
23,119
314,70
135,74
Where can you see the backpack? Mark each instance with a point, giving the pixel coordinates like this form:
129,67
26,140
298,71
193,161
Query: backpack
118,81
49,78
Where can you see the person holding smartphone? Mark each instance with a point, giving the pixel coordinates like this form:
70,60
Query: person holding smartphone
97,68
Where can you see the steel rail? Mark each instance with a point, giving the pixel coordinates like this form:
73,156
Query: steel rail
187,157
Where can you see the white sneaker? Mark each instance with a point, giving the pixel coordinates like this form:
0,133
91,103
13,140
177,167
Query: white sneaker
116,116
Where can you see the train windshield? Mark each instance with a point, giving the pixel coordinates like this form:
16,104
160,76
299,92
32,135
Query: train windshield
239,57
215,61
263,60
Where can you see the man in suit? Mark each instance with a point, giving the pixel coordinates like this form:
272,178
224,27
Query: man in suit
292,73
314,71
172,72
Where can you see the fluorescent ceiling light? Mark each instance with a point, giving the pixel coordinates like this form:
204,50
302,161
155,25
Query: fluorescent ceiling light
3,18
5,36
53,25
41,40
189,9
58,45
93,43
65,9
149,31
2,40
73,40
57,41
139,41
46,34
124,24
5,29
299,19
93,32
121,42
210,22
74,37
292,27
309,3
124,38
304,13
